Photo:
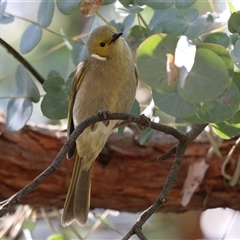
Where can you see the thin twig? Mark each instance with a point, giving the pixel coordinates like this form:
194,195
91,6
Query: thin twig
22,60
170,182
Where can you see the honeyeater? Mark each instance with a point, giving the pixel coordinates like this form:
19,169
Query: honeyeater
105,80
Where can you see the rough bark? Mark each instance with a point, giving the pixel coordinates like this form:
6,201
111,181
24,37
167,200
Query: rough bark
126,177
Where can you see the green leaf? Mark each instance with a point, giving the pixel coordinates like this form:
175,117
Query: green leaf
226,130
218,38
25,85
236,79
56,236
151,61
172,104
135,110
55,103
195,119
235,53
222,53
19,110
172,21
236,118
221,109
136,35
234,22
207,80
68,7
31,37
78,52
199,26
158,4
184,4
45,12
145,136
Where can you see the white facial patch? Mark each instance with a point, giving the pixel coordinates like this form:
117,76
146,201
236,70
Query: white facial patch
99,57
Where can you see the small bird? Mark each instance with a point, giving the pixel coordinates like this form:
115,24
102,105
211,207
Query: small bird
105,81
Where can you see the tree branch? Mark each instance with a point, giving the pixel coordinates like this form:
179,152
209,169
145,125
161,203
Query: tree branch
184,141
22,60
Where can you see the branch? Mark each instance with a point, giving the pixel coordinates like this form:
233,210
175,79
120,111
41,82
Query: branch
22,60
170,182
184,141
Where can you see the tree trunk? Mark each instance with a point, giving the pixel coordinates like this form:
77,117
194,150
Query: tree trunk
126,177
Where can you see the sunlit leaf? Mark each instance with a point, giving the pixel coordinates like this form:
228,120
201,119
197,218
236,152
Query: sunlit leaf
235,54
19,110
222,53
45,12
226,130
31,37
207,80
25,85
152,60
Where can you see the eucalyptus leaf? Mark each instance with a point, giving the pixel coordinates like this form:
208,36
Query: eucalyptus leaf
78,52
172,104
184,3
127,24
207,80
19,110
235,53
55,103
222,53
218,38
68,7
158,4
221,109
226,130
25,85
234,22
152,60
135,110
45,12
145,136
31,37
199,26
106,2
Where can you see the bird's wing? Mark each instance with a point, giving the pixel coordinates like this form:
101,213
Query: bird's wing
81,69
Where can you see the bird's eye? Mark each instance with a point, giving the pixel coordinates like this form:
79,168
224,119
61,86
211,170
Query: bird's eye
102,44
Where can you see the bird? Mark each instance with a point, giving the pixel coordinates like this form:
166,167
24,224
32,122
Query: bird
105,81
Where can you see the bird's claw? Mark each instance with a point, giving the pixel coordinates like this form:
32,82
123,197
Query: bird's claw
105,115
147,122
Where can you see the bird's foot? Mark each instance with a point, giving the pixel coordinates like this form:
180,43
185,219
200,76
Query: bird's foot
105,115
147,122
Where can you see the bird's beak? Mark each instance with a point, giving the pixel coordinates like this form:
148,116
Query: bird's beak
116,36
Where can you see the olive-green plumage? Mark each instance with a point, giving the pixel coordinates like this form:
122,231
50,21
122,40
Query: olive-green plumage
105,80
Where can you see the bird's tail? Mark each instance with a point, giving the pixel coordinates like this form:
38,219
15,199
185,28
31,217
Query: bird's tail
78,197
